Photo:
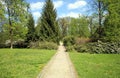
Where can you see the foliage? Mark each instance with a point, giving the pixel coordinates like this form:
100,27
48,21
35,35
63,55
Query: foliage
16,12
44,45
99,8
63,24
23,63
79,27
96,65
81,48
31,29
20,43
112,21
70,48
2,11
69,40
102,47
49,30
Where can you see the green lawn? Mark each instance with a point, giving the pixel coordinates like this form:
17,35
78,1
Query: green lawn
23,63
96,65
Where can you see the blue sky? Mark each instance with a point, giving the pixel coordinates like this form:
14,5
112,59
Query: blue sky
72,8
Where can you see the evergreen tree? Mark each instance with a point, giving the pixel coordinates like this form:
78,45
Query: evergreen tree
31,29
49,30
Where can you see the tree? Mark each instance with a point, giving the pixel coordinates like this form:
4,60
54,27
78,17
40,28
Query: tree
99,8
31,29
112,21
63,24
49,30
2,11
16,12
79,27
37,29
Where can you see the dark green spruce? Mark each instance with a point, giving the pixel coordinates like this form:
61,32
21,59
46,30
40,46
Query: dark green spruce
31,29
49,30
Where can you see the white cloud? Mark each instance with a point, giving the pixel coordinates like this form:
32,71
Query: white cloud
71,14
36,6
58,4
39,5
36,15
77,4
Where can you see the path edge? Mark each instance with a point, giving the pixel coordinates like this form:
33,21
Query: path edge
44,69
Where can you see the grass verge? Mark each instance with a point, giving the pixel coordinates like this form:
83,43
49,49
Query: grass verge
23,63
96,65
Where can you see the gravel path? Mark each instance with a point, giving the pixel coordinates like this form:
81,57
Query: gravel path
59,66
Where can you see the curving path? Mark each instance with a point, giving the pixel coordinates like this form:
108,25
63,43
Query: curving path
59,66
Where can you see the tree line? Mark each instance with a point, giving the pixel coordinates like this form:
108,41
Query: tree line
17,23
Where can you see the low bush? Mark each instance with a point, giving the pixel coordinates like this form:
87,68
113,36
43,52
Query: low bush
2,45
70,48
107,48
20,44
16,44
69,41
80,41
96,47
44,45
81,48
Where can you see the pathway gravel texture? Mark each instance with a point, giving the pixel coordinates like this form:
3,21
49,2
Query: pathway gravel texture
60,66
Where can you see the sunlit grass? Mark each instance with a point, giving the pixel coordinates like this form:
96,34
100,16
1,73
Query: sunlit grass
96,65
23,63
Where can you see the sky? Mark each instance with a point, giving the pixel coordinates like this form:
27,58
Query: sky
64,8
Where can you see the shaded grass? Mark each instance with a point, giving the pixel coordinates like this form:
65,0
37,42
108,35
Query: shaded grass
96,65
23,63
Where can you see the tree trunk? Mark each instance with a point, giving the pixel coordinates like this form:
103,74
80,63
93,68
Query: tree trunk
10,29
100,17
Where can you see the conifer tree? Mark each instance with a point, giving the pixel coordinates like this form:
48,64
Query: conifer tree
31,29
49,30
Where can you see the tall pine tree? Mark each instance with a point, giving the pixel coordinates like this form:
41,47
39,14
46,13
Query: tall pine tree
31,29
49,30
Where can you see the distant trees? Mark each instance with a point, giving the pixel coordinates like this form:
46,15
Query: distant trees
63,24
49,30
79,27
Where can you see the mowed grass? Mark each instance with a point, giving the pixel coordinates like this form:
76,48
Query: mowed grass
96,65
23,63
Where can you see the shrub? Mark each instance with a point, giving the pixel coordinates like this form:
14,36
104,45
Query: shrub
80,41
107,48
69,41
20,44
44,45
81,48
70,48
